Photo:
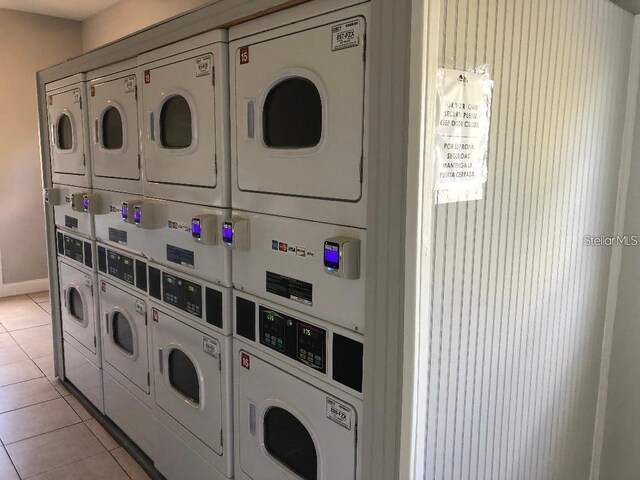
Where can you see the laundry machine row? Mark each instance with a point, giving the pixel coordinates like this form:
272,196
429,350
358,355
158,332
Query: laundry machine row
186,205
167,363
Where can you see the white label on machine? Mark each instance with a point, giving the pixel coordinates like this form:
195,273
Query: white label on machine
129,84
345,35
339,413
203,65
462,135
76,95
210,346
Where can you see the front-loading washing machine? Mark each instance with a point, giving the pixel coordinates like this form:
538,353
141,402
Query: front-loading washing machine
297,395
113,125
67,117
80,330
190,325
126,345
185,115
298,83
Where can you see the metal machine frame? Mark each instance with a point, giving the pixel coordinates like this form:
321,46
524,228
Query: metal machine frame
396,206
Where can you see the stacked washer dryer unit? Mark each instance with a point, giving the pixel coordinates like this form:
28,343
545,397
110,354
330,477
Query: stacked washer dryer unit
299,164
184,108
70,198
122,268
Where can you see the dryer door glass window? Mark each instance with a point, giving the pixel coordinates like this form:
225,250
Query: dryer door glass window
288,440
183,376
175,123
76,307
122,333
111,129
292,115
65,133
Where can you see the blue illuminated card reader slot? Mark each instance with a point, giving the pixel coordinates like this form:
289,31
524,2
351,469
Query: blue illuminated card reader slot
235,233
342,257
204,229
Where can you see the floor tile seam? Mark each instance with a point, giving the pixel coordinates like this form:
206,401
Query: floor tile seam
121,466
33,404
47,432
62,466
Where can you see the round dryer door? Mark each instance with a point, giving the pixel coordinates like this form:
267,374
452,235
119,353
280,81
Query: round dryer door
179,111
66,131
125,345
300,113
289,428
188,382
113,113
78,316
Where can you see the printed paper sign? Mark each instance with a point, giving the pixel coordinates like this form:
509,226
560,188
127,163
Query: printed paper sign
462,135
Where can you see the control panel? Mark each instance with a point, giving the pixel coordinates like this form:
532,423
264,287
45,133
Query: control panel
299,340
120,266
74,248
182,294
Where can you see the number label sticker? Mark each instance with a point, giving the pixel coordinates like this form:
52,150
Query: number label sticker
245,360
244,55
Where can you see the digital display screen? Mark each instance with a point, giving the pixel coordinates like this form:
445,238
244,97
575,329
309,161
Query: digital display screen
125,211
331,255
196,229
137,215
227,233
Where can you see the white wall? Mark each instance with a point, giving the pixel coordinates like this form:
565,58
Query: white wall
129,16
621,443
28,43
518,303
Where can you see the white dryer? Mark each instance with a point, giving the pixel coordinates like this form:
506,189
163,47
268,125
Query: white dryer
126,347
298,101
81,335
113,122
185,134
192,376
297,395
67,117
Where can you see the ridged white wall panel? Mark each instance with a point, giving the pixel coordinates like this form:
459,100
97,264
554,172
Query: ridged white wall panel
518,300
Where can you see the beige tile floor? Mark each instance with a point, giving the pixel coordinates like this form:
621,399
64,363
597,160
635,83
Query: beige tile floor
45,433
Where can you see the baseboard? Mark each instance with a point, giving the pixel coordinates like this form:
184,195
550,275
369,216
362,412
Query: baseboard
20,288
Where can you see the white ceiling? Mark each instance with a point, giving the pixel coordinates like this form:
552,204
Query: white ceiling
631,5
71,9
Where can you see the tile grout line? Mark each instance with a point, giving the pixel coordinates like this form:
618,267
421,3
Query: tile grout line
44,433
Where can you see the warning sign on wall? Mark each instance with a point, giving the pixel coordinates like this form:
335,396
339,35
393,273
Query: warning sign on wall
462,135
